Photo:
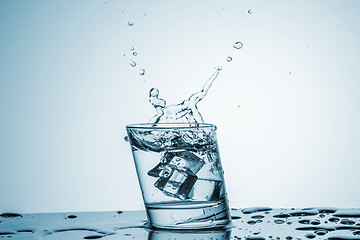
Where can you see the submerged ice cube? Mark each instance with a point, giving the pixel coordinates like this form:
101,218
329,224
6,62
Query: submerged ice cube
207,190
182,160
185,159
176,182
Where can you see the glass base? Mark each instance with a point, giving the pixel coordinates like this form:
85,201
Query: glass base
189,214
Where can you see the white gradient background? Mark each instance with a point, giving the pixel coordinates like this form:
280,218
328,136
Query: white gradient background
67,92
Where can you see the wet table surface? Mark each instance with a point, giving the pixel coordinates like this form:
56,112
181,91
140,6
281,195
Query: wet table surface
248,223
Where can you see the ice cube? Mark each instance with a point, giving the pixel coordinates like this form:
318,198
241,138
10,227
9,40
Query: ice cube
176,182
206,190
164,161
182,160
185,159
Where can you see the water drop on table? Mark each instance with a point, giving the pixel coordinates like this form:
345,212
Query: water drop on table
238,45
279,221
310,235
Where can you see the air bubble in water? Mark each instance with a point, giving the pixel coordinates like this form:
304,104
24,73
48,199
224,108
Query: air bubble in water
130,24
142,72
229,59
135,53
238,45
132,63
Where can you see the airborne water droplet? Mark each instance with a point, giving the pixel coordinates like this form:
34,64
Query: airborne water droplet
229,59
249,11
135,53
132,63
219,68
238,45
132,49
142,72
130,24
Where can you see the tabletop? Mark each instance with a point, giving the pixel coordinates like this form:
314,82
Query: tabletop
257,223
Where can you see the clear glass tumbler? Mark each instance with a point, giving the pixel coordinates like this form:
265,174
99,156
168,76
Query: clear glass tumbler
180,175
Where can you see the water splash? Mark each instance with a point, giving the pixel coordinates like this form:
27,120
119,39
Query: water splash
186,111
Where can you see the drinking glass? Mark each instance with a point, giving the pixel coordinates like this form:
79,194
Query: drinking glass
180,174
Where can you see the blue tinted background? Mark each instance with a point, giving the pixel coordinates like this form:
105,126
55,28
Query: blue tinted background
286,106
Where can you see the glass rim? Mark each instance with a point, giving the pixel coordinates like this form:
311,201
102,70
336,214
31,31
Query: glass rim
170,125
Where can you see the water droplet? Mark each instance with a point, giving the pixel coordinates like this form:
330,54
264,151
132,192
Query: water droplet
351,213
321,232
142,72
258,217
289,223
304,221
334,219
251,222
281,215
238,45
132,49
250,11
10,215
279,221
93,237
228,59
347,222
135,53
310,235
315,222
304,213
255,210
254,238
132,63
322,215
119,212
289,238
130,24
219,68
126,138
238,106
72,216
105,2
